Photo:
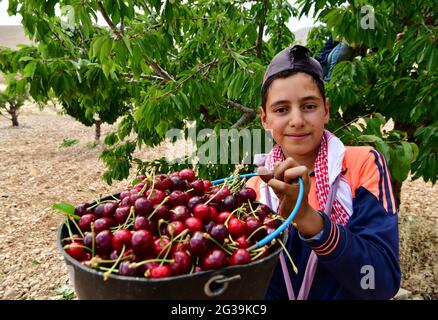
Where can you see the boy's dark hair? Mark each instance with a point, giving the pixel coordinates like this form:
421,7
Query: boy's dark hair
289,62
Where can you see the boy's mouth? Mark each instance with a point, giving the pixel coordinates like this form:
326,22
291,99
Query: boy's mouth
296,136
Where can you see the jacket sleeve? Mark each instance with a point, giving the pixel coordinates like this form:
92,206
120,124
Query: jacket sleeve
364,255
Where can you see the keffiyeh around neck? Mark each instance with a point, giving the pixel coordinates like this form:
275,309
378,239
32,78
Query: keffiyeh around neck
322,187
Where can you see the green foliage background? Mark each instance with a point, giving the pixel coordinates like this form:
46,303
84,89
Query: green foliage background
158,64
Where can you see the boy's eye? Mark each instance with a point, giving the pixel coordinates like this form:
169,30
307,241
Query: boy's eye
309,106
280,109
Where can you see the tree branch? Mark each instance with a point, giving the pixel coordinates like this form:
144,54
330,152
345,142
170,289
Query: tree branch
248,113
108,20
244,119
239,106
163,73
261,29
143,76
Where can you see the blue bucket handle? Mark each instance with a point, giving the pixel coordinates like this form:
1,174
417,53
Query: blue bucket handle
289,219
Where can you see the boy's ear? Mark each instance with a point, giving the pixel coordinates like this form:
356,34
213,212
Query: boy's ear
326,110
263,117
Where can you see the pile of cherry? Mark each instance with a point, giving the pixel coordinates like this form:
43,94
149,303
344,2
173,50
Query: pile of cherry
168,225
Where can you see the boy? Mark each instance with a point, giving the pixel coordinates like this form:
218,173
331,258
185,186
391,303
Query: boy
344,239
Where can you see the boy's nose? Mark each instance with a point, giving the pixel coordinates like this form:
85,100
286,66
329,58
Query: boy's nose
296,118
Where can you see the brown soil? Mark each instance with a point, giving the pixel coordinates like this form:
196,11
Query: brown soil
36,172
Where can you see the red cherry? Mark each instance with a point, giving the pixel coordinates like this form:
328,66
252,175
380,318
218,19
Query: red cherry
109,209
182,263
177,198
240,256
179,213
207,185
103,242
124,194
85,221
270,222
143,223
163,182
143,206
142,242
215,259
236,227
160,272
197,186
213,214
194,224
202,212
175,228
222,217
75,250
103,224
155,196
187,174
161,246
243,242
122,237
122,214
81,209
198,244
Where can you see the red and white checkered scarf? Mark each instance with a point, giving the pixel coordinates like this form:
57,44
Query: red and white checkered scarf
338,215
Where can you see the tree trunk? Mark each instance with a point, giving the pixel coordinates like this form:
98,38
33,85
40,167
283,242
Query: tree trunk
14,115
397,191
97,123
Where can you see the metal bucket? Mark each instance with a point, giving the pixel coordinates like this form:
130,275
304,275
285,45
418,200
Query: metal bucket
241,282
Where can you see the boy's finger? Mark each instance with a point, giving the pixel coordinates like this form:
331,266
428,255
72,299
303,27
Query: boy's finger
279,187
279,168
291,175
264,174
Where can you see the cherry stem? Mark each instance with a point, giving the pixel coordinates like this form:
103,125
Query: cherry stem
92,239
98,202
158,207
169,245
72,238
153,185
77,227
138,264
117,200
108,273
288,256
67,224
105,268
207,236
160,222
76,245
214,196
252,210
260,253
255,231
131,213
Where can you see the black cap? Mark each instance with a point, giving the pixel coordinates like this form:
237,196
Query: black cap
294,58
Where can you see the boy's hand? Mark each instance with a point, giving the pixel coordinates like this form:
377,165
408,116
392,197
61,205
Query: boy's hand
284,182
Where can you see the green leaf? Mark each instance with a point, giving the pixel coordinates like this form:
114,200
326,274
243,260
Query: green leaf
64,207
369,138
36,262
105,50
29,70
128,45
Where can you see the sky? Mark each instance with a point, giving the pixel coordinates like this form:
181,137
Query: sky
294,24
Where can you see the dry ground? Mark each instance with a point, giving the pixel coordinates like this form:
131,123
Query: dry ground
35,172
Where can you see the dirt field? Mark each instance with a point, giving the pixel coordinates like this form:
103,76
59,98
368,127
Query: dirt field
35,172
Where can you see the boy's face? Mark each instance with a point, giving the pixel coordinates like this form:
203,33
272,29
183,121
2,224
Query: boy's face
296,114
